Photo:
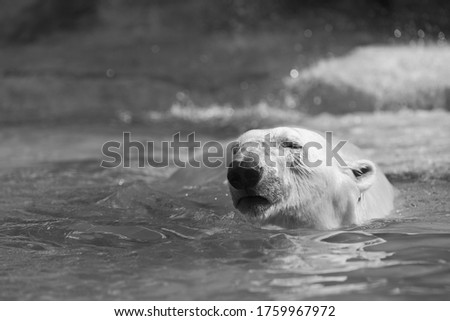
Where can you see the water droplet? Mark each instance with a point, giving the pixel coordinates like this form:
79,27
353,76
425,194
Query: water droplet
307,33
110,73
294,73
397,33
290,101
181,96
125,116
421,33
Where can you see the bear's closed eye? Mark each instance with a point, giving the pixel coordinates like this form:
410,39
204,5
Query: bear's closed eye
234,147
291,144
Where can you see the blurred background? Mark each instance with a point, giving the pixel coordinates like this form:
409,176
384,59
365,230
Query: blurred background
235,63
75,74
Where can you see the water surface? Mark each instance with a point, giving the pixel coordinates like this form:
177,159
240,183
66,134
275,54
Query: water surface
71,230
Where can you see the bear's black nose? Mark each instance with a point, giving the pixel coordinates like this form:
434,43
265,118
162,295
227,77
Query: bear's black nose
244,174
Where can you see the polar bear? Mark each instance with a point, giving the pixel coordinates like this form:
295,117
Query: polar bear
283,176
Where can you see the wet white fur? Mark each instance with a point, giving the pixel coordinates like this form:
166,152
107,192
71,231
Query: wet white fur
329,196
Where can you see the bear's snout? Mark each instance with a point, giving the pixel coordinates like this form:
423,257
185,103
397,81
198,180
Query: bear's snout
244,174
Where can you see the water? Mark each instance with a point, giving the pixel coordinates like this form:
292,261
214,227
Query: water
70,229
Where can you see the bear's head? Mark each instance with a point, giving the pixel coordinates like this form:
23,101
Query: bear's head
282,176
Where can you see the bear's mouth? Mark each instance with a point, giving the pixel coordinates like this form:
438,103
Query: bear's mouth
254,205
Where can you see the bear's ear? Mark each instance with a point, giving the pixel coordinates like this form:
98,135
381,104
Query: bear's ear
364,172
